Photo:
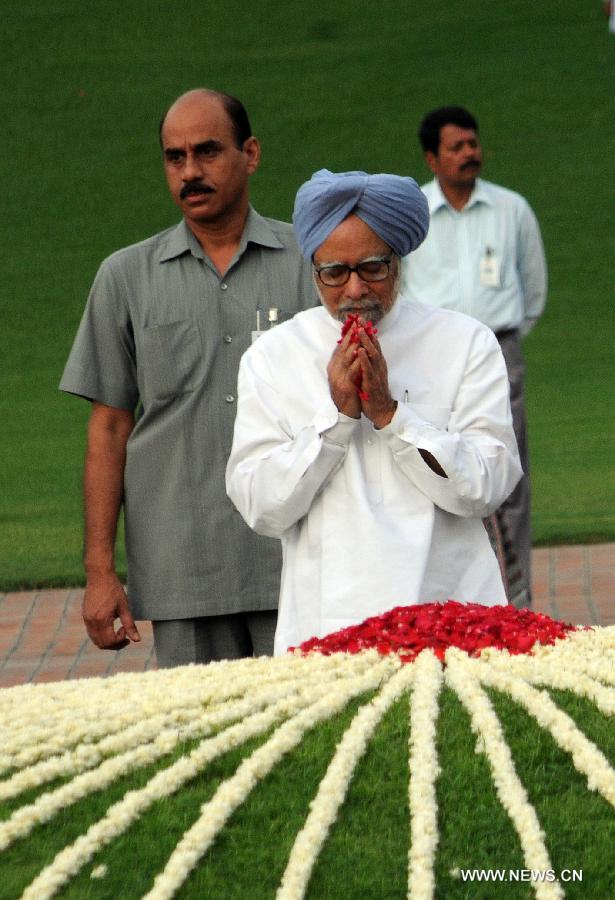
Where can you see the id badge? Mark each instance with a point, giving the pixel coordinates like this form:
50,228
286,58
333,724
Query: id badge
490,269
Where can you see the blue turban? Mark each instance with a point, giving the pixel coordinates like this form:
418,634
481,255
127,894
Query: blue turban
393,206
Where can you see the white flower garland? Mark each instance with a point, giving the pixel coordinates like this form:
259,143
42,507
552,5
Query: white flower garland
215,813
183,723
23,820
114,725
589,649
549,672
424,771
586,757
123,813
49,725
86,756
334,786
461,675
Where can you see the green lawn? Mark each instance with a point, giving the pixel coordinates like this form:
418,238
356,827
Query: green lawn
365,856
338,85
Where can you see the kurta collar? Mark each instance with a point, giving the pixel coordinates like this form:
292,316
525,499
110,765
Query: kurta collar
257,230
390,320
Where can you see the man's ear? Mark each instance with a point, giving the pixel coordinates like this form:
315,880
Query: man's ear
252,149
431,159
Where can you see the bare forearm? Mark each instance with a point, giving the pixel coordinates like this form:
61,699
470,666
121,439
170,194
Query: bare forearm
108,432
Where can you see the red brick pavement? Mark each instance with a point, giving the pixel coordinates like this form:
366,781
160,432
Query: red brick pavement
42,637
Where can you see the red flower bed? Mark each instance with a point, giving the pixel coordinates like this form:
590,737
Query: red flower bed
406,630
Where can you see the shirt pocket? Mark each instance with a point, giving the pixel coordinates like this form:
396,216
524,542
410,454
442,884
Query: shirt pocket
172,358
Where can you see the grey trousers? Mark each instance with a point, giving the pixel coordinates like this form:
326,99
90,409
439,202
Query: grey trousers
209,638
514,514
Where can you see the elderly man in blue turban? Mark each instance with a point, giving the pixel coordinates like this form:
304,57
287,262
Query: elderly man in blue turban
373,453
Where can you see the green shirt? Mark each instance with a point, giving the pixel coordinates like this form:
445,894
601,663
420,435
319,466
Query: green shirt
162,334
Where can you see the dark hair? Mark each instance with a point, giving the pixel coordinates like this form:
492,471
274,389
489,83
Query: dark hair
429,130
235,110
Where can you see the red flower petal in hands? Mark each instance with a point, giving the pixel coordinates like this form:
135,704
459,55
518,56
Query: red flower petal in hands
352,324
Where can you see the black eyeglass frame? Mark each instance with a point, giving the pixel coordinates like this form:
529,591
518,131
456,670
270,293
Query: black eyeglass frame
350,269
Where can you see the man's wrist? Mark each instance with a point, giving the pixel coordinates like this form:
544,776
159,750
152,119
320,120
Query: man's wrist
99,568
385,419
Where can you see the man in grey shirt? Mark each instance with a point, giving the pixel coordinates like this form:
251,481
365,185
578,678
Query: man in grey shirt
157,353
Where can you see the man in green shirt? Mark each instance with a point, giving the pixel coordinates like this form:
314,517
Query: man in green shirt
157,353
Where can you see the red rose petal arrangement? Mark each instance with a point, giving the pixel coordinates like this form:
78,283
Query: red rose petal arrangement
352,324
406,630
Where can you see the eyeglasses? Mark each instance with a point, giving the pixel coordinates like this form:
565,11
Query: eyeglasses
337,274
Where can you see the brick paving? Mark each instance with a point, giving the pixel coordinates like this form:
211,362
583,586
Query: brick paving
42,637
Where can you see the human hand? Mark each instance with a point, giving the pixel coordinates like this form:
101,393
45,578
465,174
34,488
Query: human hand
343,372
377,403
105,601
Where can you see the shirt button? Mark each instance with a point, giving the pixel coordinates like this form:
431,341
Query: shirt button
227,338
230,398
224,286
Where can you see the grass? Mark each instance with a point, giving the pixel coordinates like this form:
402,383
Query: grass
378,796
341,86
475,832
575,820
156,834
366,853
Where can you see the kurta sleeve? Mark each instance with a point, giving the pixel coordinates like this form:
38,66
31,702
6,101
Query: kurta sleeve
476,448
276,470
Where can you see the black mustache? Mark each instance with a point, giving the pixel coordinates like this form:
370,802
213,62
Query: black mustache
471,164
194,187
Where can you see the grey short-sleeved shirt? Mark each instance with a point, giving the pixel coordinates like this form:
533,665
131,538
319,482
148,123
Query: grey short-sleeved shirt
163,333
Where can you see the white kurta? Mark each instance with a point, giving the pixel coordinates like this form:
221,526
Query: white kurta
365,524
